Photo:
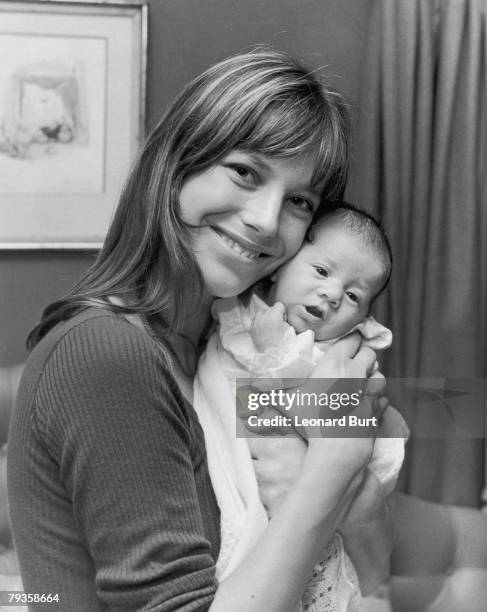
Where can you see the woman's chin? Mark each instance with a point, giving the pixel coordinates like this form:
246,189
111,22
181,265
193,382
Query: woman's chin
227,292
226,288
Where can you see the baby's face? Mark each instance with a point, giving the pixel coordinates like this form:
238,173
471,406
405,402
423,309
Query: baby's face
329,285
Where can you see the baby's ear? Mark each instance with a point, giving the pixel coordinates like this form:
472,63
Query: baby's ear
310,234
273,278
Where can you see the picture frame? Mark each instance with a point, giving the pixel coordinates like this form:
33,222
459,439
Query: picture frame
72,113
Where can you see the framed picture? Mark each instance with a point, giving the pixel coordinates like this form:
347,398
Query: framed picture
72,101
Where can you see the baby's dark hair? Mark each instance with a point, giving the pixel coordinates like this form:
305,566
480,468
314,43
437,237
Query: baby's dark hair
365,226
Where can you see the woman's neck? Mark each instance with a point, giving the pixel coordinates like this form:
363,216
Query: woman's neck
195,323
193,326
185,344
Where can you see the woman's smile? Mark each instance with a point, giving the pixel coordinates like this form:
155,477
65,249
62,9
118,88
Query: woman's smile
243,247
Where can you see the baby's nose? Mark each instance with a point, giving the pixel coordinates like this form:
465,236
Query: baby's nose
332,292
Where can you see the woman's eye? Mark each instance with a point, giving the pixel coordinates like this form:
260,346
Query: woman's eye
321,271
302,203
353,297
242,171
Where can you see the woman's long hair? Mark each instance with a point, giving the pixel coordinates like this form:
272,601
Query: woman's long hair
262,101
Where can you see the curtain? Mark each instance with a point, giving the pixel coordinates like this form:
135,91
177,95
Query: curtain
420,165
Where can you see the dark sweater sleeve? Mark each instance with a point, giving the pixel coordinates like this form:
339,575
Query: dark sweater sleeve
110,415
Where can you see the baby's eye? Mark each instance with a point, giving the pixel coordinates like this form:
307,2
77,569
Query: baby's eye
321,271
354,297
302,203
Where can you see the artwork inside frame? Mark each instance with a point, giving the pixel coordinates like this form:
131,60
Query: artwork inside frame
72,101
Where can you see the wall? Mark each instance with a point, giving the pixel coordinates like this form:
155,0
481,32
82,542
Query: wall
186,36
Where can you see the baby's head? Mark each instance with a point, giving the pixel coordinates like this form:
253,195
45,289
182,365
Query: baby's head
330,284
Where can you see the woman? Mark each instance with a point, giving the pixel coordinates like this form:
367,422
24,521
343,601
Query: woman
110,496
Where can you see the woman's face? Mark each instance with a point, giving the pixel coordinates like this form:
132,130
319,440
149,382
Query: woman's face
247,214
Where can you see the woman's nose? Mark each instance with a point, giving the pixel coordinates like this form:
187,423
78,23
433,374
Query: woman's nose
331,291
263,213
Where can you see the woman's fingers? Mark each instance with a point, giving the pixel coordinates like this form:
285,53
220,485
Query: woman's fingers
365,358
357,361
338,361
346,347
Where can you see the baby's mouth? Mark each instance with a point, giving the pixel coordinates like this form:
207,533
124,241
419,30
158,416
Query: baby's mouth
314,311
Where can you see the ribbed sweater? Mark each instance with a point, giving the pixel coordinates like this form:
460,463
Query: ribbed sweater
110,497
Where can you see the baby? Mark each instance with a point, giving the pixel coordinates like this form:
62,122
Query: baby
329,286
322,294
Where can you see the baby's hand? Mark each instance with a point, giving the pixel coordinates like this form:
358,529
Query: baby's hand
268,327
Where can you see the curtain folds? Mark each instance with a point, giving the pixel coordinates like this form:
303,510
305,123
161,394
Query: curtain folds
420,164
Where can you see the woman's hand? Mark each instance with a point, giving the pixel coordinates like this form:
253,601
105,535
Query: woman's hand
347,359
366,527
277,464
